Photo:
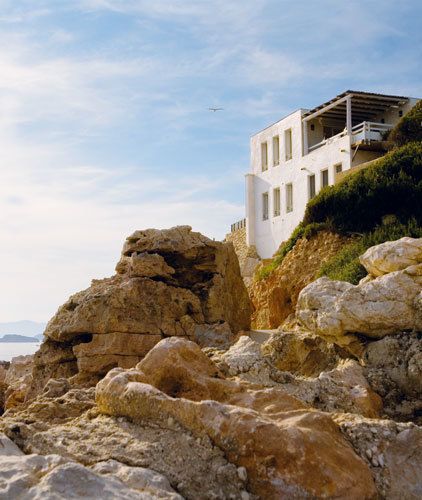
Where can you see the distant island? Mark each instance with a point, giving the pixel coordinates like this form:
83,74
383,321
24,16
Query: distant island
18,338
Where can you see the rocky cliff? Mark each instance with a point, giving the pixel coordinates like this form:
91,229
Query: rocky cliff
274,297
171,282
330,409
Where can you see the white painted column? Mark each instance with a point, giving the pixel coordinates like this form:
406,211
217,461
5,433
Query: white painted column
250,209
349,114
305,137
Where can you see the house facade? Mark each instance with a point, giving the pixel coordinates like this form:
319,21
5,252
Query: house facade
307,150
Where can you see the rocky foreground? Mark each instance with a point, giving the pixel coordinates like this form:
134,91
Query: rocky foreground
150,385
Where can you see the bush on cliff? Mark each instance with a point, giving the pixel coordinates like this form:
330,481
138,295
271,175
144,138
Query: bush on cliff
392,185
409,128
345,266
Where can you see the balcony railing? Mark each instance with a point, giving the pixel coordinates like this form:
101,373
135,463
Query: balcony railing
327,141
238,225
365,131
370,131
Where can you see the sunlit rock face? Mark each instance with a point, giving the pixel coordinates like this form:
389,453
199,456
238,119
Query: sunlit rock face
172,282
385,305
286,448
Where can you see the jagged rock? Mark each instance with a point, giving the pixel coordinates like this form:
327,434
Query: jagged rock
29,477
217,335
3,386
286,449
172,282
17,380
62,425
392,450
149,265
393,367
300,353
343,388
392,256
386,305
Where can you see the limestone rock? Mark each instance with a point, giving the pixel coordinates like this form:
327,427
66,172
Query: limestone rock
392,450
18,380
149,266
30,477
392,256
63,426
342,388
172,282
8,447
213,335
247,255
393,367
300,353
383,306
286,449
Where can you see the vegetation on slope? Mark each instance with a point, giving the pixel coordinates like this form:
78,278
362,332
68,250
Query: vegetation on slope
409,128
345,266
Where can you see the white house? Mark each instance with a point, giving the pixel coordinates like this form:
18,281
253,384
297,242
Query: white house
294,158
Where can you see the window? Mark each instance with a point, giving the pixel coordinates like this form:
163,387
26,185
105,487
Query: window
264,156
288,143
276,202
400,113
276,150
311,186
324,178
265,206
289,197
338,168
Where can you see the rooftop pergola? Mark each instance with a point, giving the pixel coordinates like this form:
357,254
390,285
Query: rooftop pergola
353,106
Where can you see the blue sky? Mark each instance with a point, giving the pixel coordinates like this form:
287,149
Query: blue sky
104,126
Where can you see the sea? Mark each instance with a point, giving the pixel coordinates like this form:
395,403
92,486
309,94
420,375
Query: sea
9,350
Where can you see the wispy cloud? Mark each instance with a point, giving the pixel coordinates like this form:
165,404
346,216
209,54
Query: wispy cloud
104,125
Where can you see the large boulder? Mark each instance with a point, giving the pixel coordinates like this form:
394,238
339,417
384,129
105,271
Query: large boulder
392,256
172,282
284,448
386,305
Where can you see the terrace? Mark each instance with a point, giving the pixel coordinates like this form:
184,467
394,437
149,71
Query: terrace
361,115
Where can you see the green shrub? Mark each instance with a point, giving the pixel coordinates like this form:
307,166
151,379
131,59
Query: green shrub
409,128
345,265
392,185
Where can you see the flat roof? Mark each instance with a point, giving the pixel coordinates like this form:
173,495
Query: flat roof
364,104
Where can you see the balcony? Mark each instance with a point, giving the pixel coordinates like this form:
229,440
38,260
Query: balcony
370,135
362,133
327,141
